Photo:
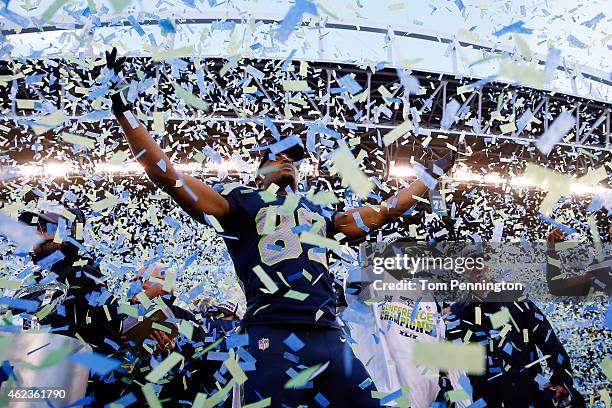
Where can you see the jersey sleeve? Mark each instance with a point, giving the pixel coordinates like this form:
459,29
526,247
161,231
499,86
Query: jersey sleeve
236,212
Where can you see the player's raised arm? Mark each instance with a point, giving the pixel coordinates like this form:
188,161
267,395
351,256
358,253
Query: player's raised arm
358,222
191,194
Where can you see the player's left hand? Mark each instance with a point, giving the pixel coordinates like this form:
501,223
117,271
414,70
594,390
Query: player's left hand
555,236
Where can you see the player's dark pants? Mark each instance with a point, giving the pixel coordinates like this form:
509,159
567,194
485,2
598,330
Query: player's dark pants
344,383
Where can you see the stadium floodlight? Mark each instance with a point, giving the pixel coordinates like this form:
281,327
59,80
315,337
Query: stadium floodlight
29,171
464,176
117,168
404,171
401,170
57,169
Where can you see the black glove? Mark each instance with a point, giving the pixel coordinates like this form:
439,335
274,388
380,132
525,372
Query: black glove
444,163
116,64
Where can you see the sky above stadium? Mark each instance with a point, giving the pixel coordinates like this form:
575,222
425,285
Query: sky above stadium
580,31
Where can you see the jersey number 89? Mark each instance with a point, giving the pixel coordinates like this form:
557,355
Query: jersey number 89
283,243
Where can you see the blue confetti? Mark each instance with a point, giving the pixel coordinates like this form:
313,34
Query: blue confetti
58,329
95,116
294,276
478,404
390,397
287,61
360,222
291,357
223,26
513,28
14,17
50,260
349,84
217,356
237,340
465,383
365,383
136,25
167,26
272,127
212,154
422,174
7,370
324,130
97,91
294,342
541,380
254,72
595,205
564,228
508,349
293,18
321,400
608,318
575,42
96,362
162,165
32,79
284,144
592,23
111,343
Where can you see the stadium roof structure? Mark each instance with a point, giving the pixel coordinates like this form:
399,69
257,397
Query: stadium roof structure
500,95
436,40
241,97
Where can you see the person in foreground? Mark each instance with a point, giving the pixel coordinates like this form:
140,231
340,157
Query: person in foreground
81,313
513,332
278,241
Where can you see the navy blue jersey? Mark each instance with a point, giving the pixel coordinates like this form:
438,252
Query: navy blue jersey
262,233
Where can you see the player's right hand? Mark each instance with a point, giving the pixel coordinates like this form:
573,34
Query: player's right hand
114,63
555,236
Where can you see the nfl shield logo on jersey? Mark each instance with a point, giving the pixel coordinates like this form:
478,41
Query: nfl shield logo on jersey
264,343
